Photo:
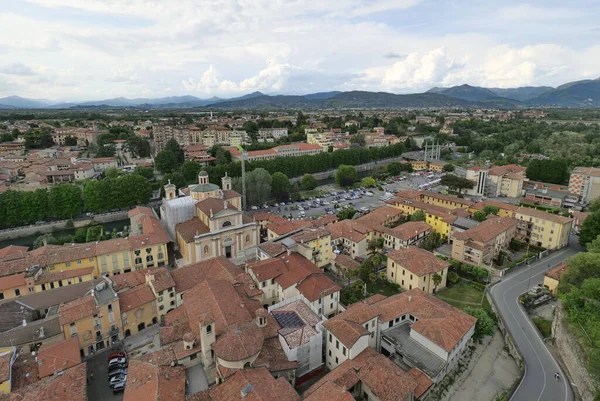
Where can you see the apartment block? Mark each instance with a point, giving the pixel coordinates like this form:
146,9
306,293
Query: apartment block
480,245
585,183
547,230
414,267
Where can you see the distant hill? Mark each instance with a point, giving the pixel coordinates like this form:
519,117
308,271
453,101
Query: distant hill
585,93
573,94
522,93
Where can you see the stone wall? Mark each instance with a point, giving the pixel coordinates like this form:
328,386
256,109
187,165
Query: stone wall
572,356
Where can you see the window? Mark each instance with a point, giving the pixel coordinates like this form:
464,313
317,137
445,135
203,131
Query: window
148,250
68,264
137,252
330,339
247,238
329,352
173,302
392,274
138,261
161,307
80,279
226,223
336,360
402,282
205,249
337,344
160,293
410,287
90,259
160,299
78,262
160,255
17,292
209,329
272,281
149,258
344,351
403,272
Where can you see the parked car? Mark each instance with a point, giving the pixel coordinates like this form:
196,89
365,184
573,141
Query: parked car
116,379
114,355
121,361
116,371
119,387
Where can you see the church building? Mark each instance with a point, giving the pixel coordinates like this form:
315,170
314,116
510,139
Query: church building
206,221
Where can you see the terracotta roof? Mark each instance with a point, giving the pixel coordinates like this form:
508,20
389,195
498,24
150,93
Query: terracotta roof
76,310
5,365
538,214
329,391
267,269
13,281
325,220
386,379
310,234
273,358
488,229
230,194
285,227
12,250
346,331
423,382
135,297
500,205
418,261
379,216
190,228
48,277
214,205
148,382
161,278
268,216
347,262
71,386
298,268
350,229
262,385
409,230
317,286
219,268
557,271
509,168
239,341
272,249
53,358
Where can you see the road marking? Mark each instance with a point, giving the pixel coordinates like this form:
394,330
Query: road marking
531,325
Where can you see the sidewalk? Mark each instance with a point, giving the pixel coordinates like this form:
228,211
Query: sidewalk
490,372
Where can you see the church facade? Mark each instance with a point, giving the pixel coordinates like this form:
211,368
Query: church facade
207,221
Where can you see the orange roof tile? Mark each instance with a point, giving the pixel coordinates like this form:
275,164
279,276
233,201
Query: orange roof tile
149,382
135,297
557,271
71,386
54,358
264,387
418,261
77,309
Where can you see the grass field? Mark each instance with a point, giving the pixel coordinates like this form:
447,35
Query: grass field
382,287
544,326
463,295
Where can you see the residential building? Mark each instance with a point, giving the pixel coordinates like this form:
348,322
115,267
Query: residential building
578,219
95,319
409,233
138,309
414,267
550,231
414,329
70,385
52,359
418,165
482,244
152,381
323,139
546,196
343,264
292,150
312,243
439,218
552,277
506,181
350,237
504,209
585,183
8,355
217,226
275,133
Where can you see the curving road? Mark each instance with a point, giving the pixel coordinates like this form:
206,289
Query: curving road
538,382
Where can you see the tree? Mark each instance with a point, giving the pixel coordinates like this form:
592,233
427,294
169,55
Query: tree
485,325
108,150
280,186
80,235
7,137
94,233
353,293
594,205
479,215
455,182
345,175
146,172
258,186
590,229
176,179
419,215
71,141
453,277
222,156
165,161
582,266
358,139
45,239
190,170
433,241
448,168
173,146
112,172
368,182
366,270
489,209
394,168
375,245
437,280
308,182
346,213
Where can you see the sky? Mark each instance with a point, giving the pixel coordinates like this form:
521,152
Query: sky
72,50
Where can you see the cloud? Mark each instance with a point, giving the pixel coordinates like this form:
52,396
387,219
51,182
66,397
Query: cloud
395,55
16,69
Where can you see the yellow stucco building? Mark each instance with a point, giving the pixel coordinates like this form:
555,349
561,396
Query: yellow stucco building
550,231
413,267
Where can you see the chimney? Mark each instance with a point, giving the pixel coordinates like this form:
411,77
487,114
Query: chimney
211,213
24,323
409,298
289,251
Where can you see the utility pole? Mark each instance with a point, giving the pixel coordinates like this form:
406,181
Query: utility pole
244,155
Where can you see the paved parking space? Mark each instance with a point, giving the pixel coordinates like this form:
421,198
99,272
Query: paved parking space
98,389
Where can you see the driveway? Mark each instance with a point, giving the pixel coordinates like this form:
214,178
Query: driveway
538,383
98,389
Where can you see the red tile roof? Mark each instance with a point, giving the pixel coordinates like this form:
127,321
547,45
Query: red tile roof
488,229
330,391
13,281
557,271
135,297
149,382
190,228
71,386
12,250
409,230
219,268
264,387
76,310
418,261
317,286
53,358
240,341
423,382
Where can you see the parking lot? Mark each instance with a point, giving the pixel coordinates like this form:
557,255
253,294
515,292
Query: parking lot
98,386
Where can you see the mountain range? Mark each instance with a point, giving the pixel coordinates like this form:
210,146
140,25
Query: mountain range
585,93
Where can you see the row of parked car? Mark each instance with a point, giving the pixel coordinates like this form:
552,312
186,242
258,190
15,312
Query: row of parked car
117,371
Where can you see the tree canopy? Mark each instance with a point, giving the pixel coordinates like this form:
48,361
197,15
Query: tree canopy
345,175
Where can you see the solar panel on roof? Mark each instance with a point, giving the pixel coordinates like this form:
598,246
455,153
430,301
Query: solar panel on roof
288,319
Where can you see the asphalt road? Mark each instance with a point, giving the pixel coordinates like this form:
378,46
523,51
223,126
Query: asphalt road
538,383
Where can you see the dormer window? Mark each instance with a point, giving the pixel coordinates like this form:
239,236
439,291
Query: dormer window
227,223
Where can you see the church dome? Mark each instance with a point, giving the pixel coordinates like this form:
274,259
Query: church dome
239,342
